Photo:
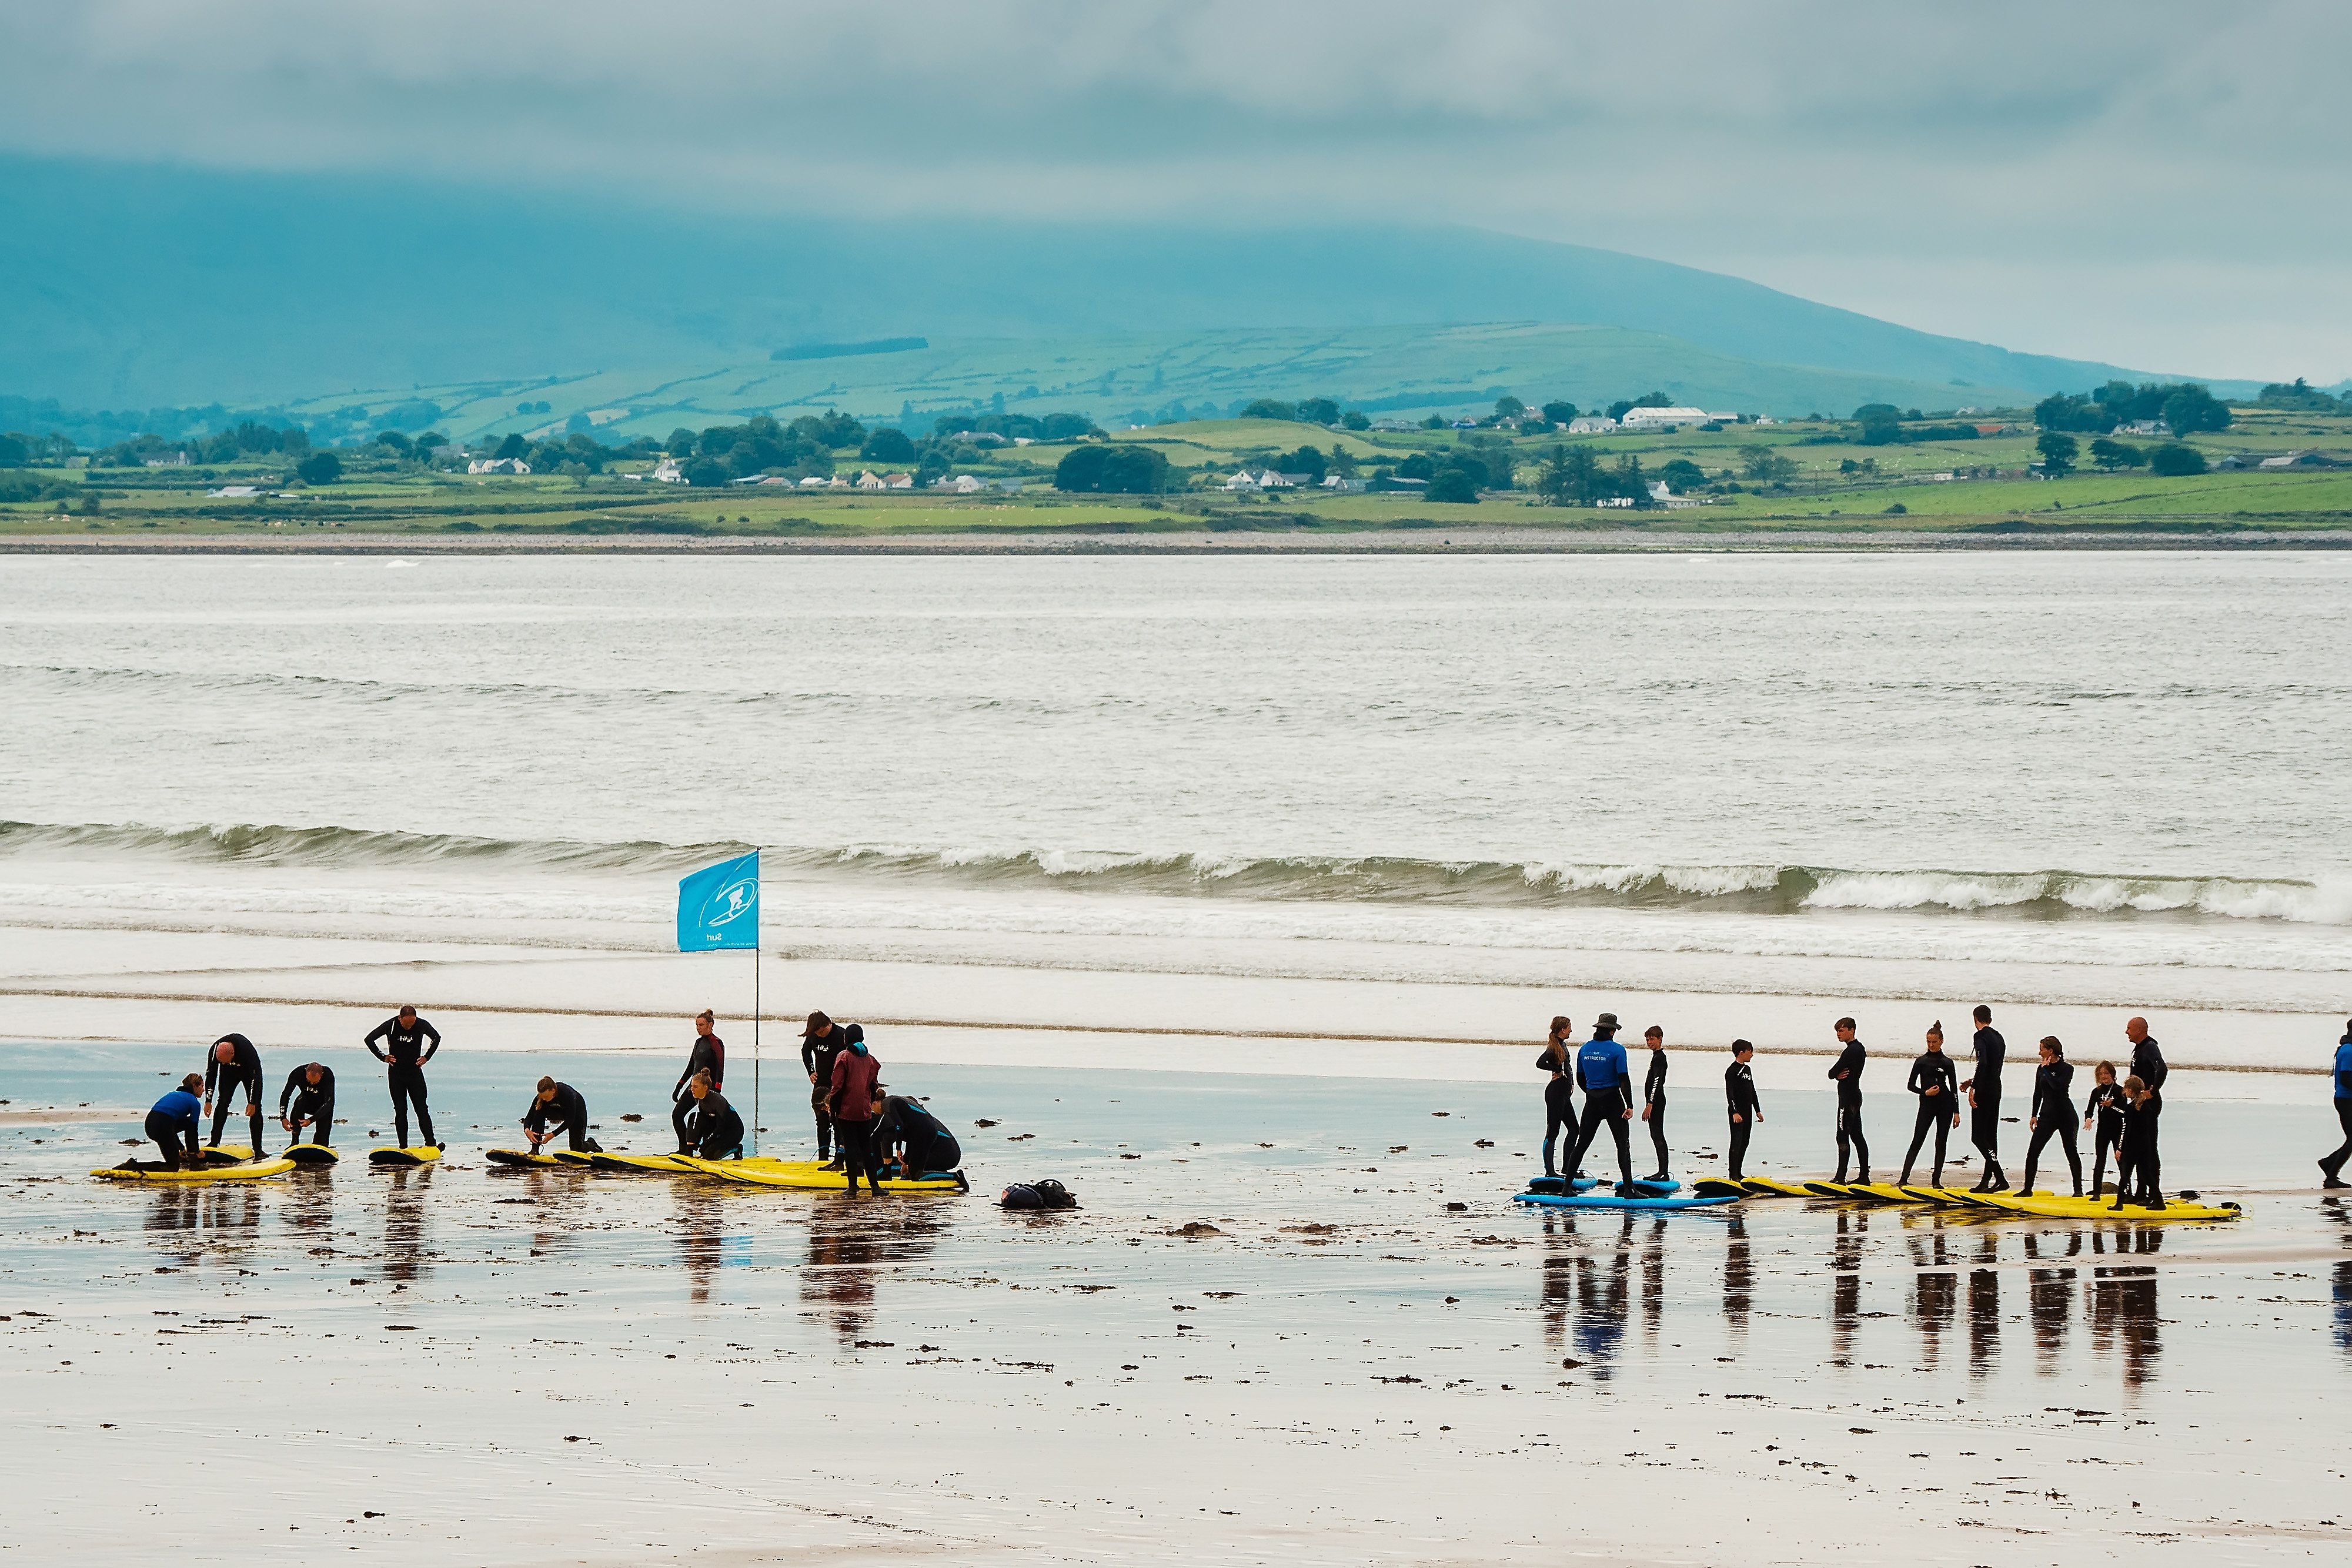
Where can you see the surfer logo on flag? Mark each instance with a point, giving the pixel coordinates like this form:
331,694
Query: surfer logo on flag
731,903
718,906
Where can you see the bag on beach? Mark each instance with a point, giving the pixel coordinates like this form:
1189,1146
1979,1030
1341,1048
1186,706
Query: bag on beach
1021,1195
1046,1194
1054,1195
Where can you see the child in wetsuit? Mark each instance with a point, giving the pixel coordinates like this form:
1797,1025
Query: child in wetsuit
2106,1107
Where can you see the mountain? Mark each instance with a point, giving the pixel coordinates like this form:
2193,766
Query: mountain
138,286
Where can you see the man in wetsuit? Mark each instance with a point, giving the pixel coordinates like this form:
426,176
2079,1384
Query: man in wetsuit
2332,1167
923,1144
1608,1085
1984,1089
1654,1097
1558,1062
2052,1115
821,1042
2148,1066
2139,1174
714,1128
311,1089
708,1055
409,1043
1846,1072
855,1075
1934,1081
565,1107
231,1063
2105,1105
1740,1104
172,1124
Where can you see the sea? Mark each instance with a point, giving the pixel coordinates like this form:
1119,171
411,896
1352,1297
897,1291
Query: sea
2092,778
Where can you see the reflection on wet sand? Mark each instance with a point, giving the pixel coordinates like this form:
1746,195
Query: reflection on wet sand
189,1221
1984,1308
1738,1280
407,1244
698,1223
1934,1290
850,1243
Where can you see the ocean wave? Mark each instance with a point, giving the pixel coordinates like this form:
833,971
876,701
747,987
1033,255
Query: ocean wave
1756,889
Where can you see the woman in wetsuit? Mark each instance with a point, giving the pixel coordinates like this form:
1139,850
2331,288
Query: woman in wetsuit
2106,1106
1560,1092
708,1056
2052,1115
172,1124
1938,1088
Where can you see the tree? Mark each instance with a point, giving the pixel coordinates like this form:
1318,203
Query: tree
1559,413
15,451
2113,454
2058,453
705,473
1355,419
1307,460
1452,483
1270,408
888,445
320,468
1682,474
1114,471
1343,462
1766,466
681,442
513,446
2173,461
1508,407
1319,411
2192,408
1567,476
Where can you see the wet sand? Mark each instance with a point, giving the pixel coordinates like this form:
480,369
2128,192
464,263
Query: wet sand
1267,1337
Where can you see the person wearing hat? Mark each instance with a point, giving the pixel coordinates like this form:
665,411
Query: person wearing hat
821,1042
1608,1084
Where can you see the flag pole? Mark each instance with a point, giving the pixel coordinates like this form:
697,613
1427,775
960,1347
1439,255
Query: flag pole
755,1049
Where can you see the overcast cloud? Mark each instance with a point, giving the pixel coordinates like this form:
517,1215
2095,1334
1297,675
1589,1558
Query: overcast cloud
2150,183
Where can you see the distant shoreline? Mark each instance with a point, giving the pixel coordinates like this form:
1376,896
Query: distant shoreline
1470,540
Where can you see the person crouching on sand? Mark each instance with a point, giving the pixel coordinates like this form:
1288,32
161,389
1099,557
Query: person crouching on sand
714,1128
172,1124
559,1108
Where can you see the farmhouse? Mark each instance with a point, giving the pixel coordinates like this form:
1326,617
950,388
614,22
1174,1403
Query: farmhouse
497,465
1657,418
1591,424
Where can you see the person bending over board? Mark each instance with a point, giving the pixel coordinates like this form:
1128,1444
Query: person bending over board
558,1107
309,1097
714,1129
2106,1106
2332,1167
405,1038
921,1143
1983,1089
2139,1169
234,1063
2052,1115
1608,1085
708,1056
1653,1099
1741,1104
855,1075
172,1124
1557,1061
1846,1071
1933,1080
821,1042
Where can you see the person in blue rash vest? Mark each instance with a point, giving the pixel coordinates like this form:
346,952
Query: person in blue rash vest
1741,1104
1608,1085
309,1096
172,1124
1558,1063
2332,1167
233,1063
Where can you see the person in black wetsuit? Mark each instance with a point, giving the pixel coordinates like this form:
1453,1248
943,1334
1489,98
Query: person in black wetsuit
2106,1106
567,1108
231,1063
820,1041
2331,1168
2052,1115
714,1128
172,1124
310,1090
409,1043
1558,1063
2148,1066
922,1143
707,1055
1608,1085
1933,1080
1654,1098
1983,1089
1740,1104
2139,1174
1846,1072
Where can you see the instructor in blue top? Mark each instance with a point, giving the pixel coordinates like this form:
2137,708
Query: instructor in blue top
2333,1166
1608,1085
172,1124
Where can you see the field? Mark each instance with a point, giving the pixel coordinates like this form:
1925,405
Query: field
1902,491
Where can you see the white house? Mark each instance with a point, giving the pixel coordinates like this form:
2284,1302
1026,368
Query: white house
1591,424
965,484
1614,501
897,481
1241,479
1394,426
669,472
233,491
1662,496
1723,419
869,480
1340,484
1656,418
2143,427
500,465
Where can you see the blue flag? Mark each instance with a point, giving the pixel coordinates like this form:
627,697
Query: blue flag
718,906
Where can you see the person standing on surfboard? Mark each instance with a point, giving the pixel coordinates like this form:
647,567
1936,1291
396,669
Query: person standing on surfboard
172,1124
233,1063
564,1106
1984,1089
714,1128
1846,1071
2148,1065
708,1056
1740,1104
2052,1115
855,1075
1654,1098
1932,1079
2331,1168
2105,1105
405,1053
311,1090
1560,1093
1608,1085
2139,1167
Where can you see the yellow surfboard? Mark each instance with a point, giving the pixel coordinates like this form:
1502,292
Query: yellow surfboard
245,1170
414,1155
810,1175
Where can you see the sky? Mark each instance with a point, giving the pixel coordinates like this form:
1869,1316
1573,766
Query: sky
2150,183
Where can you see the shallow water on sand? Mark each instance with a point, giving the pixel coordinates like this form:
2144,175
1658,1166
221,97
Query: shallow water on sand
1265,1337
